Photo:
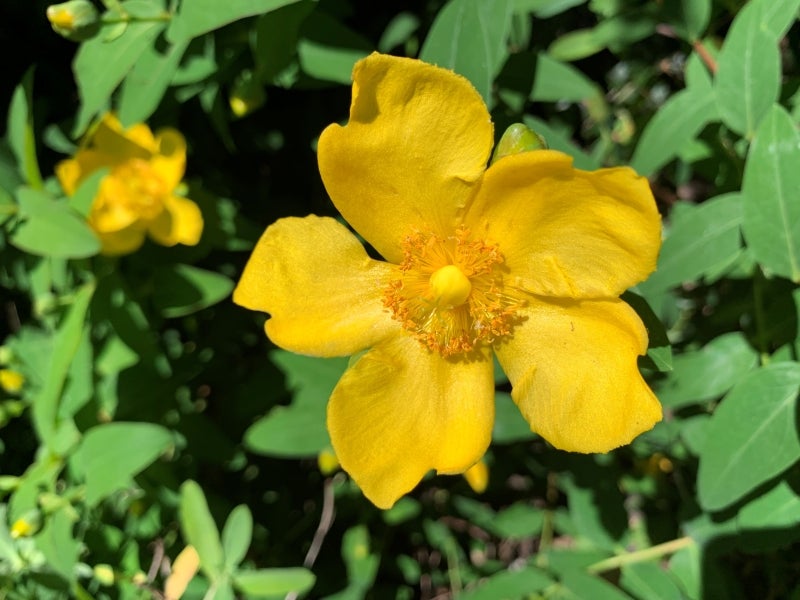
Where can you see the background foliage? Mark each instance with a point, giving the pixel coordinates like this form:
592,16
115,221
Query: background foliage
154,413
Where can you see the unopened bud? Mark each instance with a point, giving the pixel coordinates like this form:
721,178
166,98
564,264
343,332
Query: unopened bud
327,462
518,138
76,20
247,94
104,574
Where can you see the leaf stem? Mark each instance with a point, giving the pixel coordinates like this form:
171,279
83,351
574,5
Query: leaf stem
638,556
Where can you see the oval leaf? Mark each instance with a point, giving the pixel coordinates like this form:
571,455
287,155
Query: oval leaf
200,530
274,582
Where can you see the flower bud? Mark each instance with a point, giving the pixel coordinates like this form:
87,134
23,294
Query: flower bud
518,138
247,94
76,20
104,574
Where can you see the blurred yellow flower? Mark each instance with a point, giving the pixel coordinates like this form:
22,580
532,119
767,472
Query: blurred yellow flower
137,197
11,381
525,259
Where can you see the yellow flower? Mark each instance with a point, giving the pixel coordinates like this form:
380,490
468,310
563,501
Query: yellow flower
525,259
137,197
11,381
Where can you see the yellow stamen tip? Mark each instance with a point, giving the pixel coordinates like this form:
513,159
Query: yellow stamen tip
450,287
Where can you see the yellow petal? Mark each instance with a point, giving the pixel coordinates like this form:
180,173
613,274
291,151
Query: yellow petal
184,569
110,139
181,222
124,241
417,141
112,209
323,292
170,160
566,232
477,476
573,369
402,410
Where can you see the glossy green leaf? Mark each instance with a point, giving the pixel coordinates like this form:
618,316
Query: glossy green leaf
196,17
702,375
112,453
702,239
183,289
771,215
21,135
748,72
469,37
274,582
679,120
298,430
236,536
147,82
752,436
778,508
649,581
556,81
50,227
65,346
327,50
101,65
200,530
510,584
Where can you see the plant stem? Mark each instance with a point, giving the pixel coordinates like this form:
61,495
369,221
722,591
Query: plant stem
638,556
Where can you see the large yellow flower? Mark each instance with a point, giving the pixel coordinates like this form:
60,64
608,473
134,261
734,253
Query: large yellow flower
525,259
137,197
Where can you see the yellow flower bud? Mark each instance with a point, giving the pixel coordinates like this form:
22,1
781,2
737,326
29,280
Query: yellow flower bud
247,94
104,574
327,462
76,20
11,381
26,525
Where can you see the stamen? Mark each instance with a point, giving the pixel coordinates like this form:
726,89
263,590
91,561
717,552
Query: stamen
449,292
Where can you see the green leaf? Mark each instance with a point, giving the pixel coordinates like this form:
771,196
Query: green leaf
298,430
274,582
510,584
398,31
183,289
583,586
112,453
21,136
771,219
58,545
509,424
276,35
147,82
556,81
327,50
100,65
702,375
696,15
649,581
679,120
779,508
199,529
748,72
469,37
236,536
614,33
777,16
65,346
752,436
703,238
544,9
362,565
50,227
196,17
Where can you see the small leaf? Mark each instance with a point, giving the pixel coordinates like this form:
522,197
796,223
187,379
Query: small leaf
201,16
50,227
748,72
21,135
520,583
236,536
274,582
752,436
327,50
779,508
469,37
112,453
649,580
182,289
200,530
771,219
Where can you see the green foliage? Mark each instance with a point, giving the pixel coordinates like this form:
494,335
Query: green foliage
154,410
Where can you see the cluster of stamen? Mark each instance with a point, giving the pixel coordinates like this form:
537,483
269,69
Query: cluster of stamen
451,310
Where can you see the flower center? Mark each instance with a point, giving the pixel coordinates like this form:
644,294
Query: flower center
142,191
450,287
449,293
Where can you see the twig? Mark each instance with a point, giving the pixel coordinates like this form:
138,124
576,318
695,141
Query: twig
638,556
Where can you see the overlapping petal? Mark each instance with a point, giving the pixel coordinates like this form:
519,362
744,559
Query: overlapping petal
417,142
564,232
122,241
323,292
572,365
181,222
170,160
401,411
